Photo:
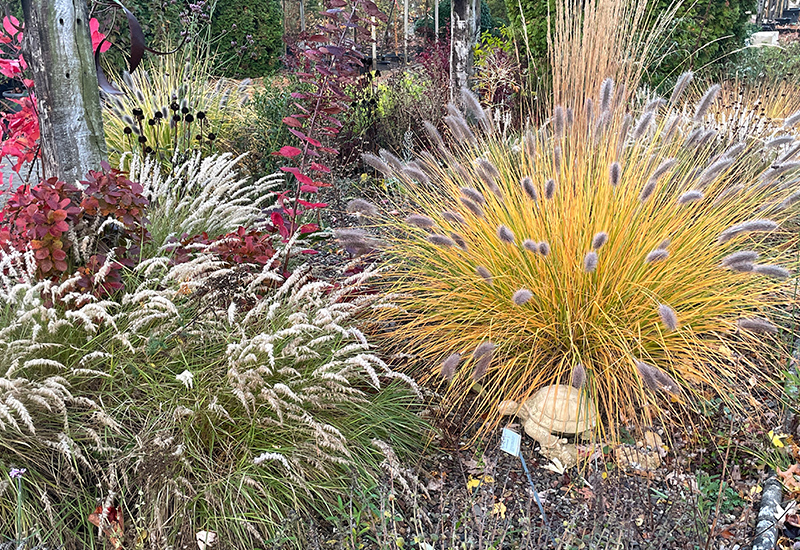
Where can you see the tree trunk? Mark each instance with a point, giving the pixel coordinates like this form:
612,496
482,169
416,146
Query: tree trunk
464,35
58,50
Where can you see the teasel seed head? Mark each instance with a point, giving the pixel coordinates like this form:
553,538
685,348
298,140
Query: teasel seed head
522,296
473,195
656,379
528,187
505,234
668,317
578,376
558,122
757,324
473,206
450,366
692,195
750,226
454,217
680,86
360,206
549,189
484,274
614,174
771,271
740,256
376,163
657,255
544,248
423,222
530,246
705,102
599,240
459,240
606,94
590,262
440,240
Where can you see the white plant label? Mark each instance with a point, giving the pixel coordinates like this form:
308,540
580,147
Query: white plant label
510,442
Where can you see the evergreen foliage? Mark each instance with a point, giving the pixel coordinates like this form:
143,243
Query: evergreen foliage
252,29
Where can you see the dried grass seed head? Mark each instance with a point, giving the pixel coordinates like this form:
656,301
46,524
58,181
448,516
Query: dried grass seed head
599,240
778,141
740,256
549,188
750,226
459,240
505,234
606,94
530,246
360,206
590,261
657,255
791,120
450,366
643,125
544,248
770,270
391,160
484,274
705,102
522,296
757,325
440,240
558,122
680,86
473,206
454,217
578,376
668,316
473,195
377,163
692,195
423,222
528,187
614,174
656,379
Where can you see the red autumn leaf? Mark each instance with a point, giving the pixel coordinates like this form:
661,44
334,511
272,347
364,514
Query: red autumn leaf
308,189
302,178
287,151
317,167
292,121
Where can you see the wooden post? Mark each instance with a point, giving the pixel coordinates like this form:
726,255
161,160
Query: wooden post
58,49
302,16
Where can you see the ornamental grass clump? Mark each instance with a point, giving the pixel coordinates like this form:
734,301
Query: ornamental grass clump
634,278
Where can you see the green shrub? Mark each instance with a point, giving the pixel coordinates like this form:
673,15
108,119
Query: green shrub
487,21
251,32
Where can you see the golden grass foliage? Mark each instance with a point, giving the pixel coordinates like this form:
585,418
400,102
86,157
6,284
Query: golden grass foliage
601,241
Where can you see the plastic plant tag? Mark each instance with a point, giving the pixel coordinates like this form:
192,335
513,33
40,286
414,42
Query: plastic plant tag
510,442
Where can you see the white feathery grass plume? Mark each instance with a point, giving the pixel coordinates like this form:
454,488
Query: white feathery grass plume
482,356
521,296
599,240
394,163
377,163
791,120
647,190
739,257
360,206
750,226
734,150
411,171
692,195
680,86
505,234
434,135
757,324
588,106
459,240
440,240
528,187
777,141
450,365
770,270
558,122
705,102
643,124
418,220
473,195
710,173
606,94
670,128
474,106
578,376
614,174
663,167
656,379
549,189
472,206
590,261
484,273
657,255
655,104
668,316
544,248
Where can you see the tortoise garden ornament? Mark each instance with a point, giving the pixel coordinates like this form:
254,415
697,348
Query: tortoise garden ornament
556,409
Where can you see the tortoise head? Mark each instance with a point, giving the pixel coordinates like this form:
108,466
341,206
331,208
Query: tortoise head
508,407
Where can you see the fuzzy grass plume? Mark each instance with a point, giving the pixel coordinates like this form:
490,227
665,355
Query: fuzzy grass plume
639,288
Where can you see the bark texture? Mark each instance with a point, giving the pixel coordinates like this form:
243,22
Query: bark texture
58,49
464,35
